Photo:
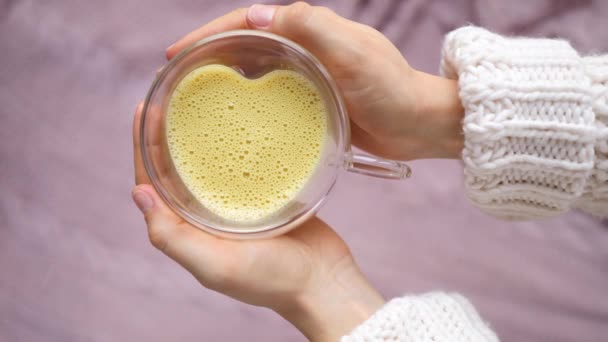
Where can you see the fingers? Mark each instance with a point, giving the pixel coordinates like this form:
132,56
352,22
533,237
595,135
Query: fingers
232,21
155,148
336,41
140,172
316,28
310,26
187,245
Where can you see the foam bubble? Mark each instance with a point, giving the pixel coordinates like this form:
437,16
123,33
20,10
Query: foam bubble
245,148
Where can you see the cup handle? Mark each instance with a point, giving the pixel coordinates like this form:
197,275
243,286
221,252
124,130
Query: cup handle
376,167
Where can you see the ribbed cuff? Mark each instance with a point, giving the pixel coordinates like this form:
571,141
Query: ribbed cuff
595,196
432,317
529,126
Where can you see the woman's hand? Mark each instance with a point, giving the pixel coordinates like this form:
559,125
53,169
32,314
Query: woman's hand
308,275
395,111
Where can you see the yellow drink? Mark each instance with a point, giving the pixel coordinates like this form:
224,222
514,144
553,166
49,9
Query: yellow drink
245,148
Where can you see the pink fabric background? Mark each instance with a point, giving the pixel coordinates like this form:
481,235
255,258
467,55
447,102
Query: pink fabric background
75,263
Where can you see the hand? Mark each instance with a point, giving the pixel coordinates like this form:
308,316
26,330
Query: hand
395,111
308,275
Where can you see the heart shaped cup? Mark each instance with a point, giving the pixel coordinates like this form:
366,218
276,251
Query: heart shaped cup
253,54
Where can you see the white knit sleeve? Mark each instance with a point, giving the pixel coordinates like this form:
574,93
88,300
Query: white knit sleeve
595,195
433,317
535,123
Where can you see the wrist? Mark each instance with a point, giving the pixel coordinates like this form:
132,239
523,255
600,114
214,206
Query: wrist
334,305
439,116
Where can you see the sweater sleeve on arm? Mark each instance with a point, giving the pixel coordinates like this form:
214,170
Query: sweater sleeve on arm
432,317
534,126
595,195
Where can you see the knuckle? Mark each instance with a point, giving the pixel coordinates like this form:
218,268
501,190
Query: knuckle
298,11
240,10
325,10
158,238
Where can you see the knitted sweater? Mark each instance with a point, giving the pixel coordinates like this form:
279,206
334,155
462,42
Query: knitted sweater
536,144
535,126
432,317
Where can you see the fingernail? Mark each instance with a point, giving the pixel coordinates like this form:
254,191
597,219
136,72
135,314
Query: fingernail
143,201
261,15
168,49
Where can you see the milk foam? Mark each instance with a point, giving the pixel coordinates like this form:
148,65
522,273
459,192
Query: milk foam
245,148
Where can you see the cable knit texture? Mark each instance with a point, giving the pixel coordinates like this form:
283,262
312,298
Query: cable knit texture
433,317
535,123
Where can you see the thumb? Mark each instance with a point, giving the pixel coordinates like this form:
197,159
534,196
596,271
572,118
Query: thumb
162,222
318,29
187,245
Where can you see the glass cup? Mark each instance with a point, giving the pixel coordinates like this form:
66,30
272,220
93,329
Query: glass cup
253,54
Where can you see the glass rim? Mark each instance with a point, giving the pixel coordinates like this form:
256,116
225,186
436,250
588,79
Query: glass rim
342,147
